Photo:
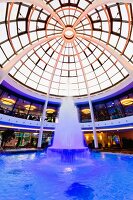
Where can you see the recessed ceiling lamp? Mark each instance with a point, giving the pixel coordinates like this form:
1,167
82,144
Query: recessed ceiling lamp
8,101
127,102
29,107
50,110
86,111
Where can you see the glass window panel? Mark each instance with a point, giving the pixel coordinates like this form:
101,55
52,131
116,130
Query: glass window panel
103,15
124,12
128,52
3,35
2,57
24,70
42,88
116,78
92,82
105,26
94,89
24,58
16,44
46,75
121,44
105,84
116,27
21,26
30,64
63,92
99,71
115,12
33,36
125,29
31,84
83,4
34,77
23,11
90,76
24,40
82,91
21,77
113,40
13,71
7,49
2,11
55,4
102,78
124,72
38,71
112,71
96,64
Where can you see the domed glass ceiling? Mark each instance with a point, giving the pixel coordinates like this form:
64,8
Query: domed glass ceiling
73,50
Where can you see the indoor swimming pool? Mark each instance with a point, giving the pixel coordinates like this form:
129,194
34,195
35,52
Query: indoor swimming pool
31,176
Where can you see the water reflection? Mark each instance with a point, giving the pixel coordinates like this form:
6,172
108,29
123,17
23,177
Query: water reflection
80,192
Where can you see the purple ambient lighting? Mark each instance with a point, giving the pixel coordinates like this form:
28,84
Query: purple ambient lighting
68,139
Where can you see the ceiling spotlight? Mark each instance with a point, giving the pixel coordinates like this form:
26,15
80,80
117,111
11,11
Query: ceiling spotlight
127,102
50,110
30,107
86,111
8,101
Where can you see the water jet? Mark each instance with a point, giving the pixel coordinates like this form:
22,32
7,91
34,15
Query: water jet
68,144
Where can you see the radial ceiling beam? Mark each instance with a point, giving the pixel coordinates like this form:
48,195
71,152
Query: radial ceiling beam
10,64
128,66
47,98
96,4
89,98
40,4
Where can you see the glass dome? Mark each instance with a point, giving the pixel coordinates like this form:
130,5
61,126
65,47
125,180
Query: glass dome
71,44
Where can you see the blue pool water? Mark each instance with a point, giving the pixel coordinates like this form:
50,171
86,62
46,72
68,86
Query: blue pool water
31,177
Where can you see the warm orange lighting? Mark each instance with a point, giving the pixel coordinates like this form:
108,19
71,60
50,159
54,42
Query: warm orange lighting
50,110
100,137
86,137
109,144
8,101
29,107
86,111
127,102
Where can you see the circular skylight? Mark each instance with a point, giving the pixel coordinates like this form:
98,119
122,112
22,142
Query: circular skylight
69,34
67,46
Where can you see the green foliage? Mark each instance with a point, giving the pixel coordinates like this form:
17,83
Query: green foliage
7,136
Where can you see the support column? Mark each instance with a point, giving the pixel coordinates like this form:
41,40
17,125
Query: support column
42,123
47,98
89,100
93,122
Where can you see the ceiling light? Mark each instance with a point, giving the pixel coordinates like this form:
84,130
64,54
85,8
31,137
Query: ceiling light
50,110
127,102
86,111
8,101
29,107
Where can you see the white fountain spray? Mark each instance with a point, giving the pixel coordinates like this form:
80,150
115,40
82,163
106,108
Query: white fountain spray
68,138
68,134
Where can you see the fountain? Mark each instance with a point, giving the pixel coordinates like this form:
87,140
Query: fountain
68,144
